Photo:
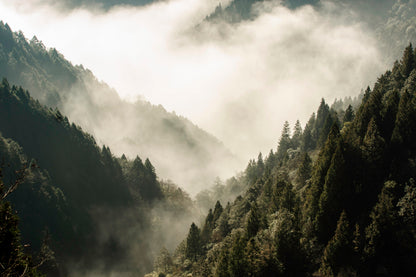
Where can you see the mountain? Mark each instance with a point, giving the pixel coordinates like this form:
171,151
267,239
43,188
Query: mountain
372,12
94,4
128,128
95,209
335,199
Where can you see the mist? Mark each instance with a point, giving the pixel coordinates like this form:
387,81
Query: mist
238,81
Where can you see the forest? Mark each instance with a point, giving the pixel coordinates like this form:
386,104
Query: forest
86,190
337,198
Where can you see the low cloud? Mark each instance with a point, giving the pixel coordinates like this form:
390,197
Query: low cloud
240,82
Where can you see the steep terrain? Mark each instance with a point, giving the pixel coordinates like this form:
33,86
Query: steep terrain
97,210
335,199
128,128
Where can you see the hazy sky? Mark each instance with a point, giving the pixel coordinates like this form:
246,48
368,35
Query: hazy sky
238,82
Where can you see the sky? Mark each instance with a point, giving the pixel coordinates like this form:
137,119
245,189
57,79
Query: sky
239,82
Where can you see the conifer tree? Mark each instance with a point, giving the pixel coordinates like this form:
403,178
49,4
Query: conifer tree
319,173
254,221
335,195
217,211
408,61
326,128
193,243
305,168
297,135
223,264
208,227
284,142
373,145
308,142
237,260
349,114
321,118
337,254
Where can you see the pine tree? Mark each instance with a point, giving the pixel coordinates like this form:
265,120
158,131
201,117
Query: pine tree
305,168
254,221
329,121
217,211
13,260
373,145
297,135
224,227
335,195
408,61
349,114
319,173
223,264
321,118
260,165
208,227
308,142
193,243
389,113
237,260
337,254
284,142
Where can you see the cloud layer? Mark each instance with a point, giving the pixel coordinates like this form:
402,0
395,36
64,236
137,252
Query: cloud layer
239,82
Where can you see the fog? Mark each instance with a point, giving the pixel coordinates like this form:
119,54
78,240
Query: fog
240,82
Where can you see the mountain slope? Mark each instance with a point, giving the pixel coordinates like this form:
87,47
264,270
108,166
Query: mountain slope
336,199
98,210
128,128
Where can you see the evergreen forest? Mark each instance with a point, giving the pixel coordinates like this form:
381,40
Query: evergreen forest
92,184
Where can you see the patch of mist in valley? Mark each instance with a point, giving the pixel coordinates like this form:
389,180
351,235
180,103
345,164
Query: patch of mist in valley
239,81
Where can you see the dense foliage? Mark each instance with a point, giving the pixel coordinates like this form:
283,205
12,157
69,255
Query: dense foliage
334,200
129,128
77,192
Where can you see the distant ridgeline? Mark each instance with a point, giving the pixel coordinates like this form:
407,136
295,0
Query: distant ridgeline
239,10
91,206
337,198
148,130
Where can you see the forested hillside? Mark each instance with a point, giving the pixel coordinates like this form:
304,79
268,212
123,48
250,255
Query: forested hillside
96,210
337,198
128,128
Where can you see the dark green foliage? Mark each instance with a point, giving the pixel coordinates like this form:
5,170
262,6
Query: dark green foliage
322,118
337,255
217,211
305,169
349,114
284,142
358,172
142,177
335,195
13,259
237,259
408,61
224,227
77,93
389,242
319,173
208,227
309,142
193,243
223,264
297,135
326,128
253,221
74,186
